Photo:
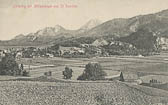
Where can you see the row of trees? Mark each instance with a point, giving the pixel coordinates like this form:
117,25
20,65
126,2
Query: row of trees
92,71
8,66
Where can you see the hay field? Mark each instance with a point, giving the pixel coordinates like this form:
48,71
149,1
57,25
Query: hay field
55,93
142,66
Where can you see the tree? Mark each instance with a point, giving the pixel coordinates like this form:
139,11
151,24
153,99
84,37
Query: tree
142,39
28,53
93,71
67,73
8,65
121,77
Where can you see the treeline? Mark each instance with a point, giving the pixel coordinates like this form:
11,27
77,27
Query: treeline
8,66
142,42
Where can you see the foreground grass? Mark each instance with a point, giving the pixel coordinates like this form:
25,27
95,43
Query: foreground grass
57,93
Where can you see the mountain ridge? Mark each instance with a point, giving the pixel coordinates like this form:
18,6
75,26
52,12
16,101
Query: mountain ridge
157,23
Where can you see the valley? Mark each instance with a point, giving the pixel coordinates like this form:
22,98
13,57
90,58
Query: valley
130,56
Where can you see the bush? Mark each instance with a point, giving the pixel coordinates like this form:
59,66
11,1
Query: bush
93,71
67,73
49,73
25,73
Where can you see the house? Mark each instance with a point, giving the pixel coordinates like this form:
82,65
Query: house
118,43
2,53
100,42
162,43
7,51
91,49
70,50
85,45
19,55
50,55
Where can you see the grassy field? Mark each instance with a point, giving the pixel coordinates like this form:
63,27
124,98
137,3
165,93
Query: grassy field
147,68
55,93
144,67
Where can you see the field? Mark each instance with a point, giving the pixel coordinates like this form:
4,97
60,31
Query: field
145,67
56,93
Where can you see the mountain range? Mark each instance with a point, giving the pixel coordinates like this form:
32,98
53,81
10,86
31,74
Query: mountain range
157,23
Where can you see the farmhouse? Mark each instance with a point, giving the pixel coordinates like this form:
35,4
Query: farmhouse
19,55
50,55
100,42
70,50
118,43
2,54
162,42
85,45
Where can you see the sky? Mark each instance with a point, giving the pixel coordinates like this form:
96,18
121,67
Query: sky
15,21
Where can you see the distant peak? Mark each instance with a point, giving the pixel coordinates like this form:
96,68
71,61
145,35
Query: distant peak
19,36
95,20
58,26
163,13
91,24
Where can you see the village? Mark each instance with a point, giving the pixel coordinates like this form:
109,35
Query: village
84,50
32,59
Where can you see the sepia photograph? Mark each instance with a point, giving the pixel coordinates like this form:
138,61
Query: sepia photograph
83,52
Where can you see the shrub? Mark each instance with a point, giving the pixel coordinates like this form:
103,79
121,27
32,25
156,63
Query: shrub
93,71
25,73
67,73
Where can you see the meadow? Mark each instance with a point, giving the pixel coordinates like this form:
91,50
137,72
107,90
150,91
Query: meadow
56,90
147,68
142,66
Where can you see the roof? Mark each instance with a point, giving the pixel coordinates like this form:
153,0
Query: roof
70,48
100,42
130,76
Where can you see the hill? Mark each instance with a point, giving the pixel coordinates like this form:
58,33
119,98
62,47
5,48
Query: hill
141,39
156,23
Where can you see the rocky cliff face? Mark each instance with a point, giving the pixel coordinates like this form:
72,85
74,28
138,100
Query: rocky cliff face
50,31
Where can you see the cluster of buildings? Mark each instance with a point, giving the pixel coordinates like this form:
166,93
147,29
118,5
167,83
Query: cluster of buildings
94,48
162,43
